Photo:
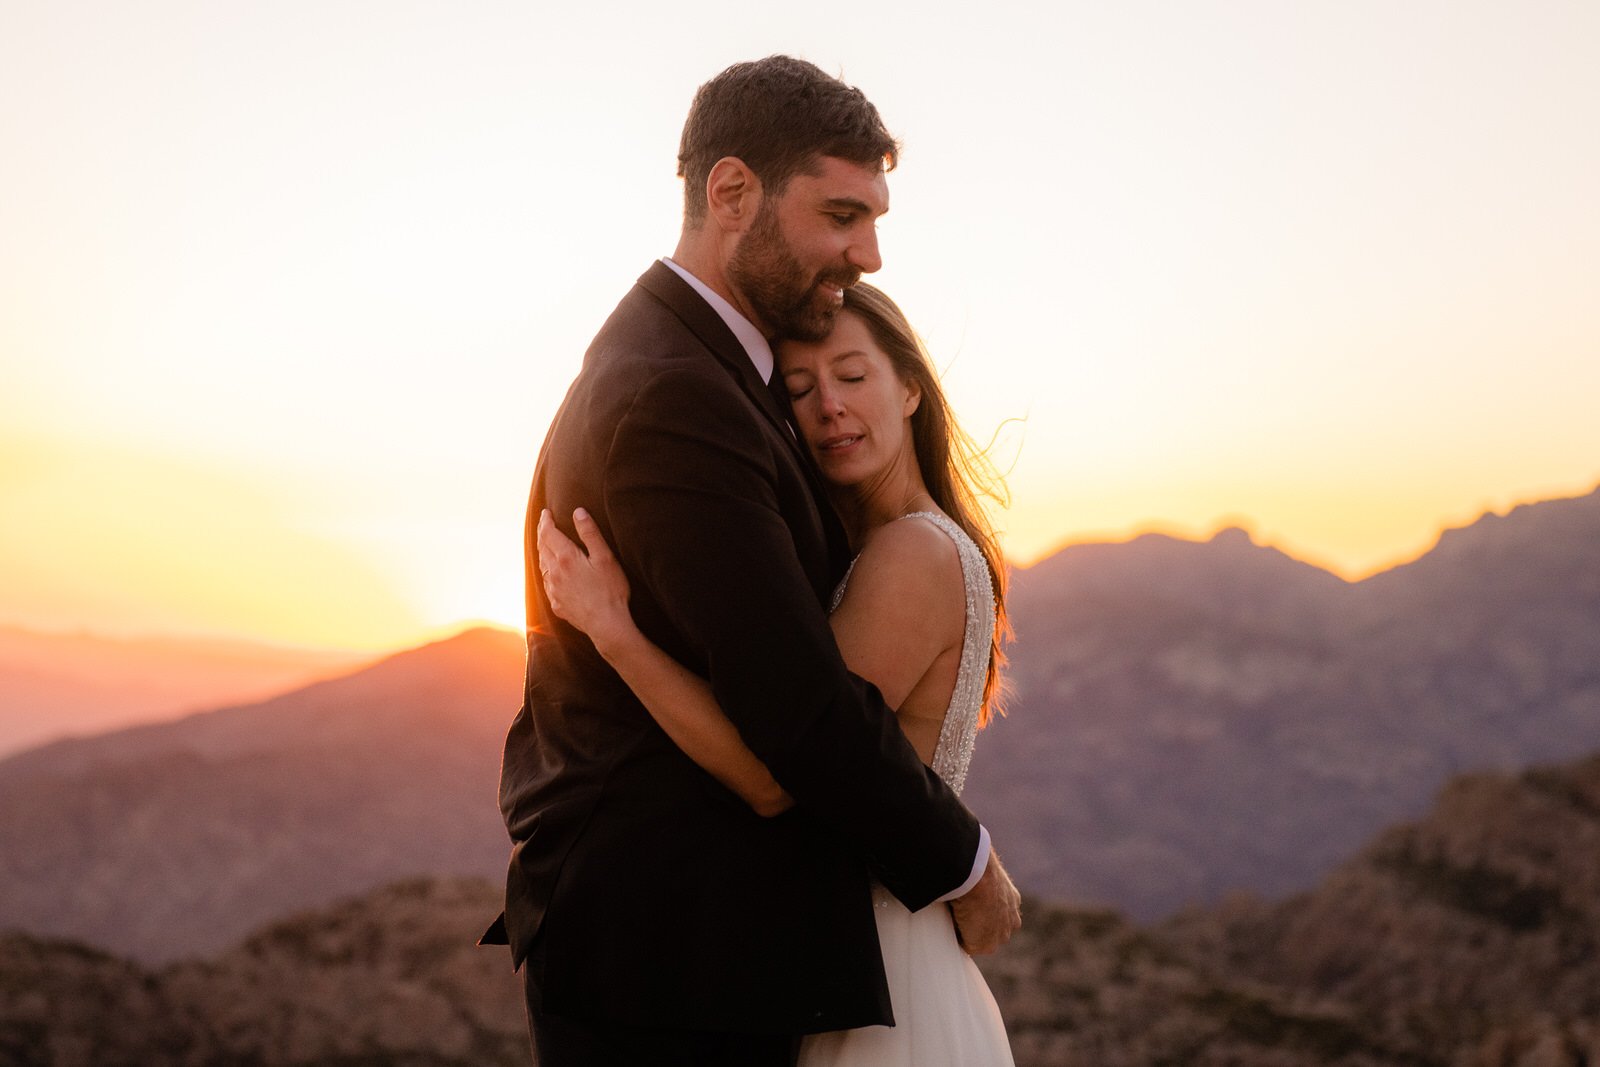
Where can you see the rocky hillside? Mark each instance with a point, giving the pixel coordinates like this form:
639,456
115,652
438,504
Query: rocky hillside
1465,939
392,978
1476,929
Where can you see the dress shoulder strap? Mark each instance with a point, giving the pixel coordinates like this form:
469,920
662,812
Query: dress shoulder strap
959,733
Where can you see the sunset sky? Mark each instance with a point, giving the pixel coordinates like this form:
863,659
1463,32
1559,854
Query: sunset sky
289,291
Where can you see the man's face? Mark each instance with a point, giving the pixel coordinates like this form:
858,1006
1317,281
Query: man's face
809,244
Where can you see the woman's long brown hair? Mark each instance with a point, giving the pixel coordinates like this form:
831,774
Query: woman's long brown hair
956,471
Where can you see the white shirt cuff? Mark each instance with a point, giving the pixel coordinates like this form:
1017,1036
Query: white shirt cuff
979,865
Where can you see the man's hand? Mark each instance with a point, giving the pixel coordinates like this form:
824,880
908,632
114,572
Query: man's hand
990,912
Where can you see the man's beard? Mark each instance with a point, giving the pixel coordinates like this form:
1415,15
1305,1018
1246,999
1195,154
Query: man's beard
773,282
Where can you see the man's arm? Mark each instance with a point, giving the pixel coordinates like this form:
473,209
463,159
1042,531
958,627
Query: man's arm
589,590
691,501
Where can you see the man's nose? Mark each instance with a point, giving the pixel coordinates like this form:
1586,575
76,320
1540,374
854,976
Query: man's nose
863,254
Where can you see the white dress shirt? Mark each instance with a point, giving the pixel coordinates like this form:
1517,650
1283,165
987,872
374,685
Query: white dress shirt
760,353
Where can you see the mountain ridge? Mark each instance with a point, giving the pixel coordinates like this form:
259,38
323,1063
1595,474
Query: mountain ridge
54,685
238,728
1188,742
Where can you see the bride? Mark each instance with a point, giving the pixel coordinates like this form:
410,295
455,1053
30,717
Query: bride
920,614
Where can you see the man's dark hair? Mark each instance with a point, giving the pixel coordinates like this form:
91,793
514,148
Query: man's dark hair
778,115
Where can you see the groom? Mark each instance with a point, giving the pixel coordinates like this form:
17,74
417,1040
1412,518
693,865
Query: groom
658,920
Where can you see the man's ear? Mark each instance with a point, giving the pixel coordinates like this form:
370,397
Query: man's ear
733,194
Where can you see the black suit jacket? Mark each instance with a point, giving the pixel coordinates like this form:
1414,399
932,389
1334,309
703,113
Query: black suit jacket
651,893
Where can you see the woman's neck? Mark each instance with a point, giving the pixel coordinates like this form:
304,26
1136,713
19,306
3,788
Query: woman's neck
866,506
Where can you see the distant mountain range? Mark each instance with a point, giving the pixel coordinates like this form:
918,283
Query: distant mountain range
1190,718
1467,939
177,838
53,685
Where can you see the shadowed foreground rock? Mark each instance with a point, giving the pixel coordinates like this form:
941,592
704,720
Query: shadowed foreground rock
390,978
1467,939
1475,930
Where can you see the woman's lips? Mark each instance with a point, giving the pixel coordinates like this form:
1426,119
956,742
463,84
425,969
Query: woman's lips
838,443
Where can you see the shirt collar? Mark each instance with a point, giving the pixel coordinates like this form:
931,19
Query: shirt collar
754,344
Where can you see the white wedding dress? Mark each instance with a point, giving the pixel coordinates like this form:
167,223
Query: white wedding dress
944,1014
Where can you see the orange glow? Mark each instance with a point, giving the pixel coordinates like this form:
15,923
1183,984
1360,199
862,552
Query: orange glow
279,350
149,544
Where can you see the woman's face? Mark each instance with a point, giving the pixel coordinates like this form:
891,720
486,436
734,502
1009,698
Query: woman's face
853,411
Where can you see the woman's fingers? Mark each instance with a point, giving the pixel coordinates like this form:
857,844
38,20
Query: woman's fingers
593,539
555,547
557,554
589,589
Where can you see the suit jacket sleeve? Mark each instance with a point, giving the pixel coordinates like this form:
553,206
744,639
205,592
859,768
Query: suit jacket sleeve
690,497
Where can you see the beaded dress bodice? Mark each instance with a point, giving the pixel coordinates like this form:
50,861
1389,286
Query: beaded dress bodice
957,736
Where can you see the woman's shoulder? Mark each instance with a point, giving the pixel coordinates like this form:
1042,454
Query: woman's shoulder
911,560
905,593
920,535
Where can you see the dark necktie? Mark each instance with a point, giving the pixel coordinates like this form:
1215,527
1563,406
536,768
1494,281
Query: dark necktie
780,396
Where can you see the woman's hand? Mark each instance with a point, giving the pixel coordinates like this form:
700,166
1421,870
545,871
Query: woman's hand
588,591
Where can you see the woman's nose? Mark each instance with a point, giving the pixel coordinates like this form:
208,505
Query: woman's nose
829,403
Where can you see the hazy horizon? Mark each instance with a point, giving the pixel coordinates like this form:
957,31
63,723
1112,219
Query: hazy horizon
224,643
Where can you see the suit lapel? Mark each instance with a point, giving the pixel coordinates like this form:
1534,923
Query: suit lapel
702,319
662,282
